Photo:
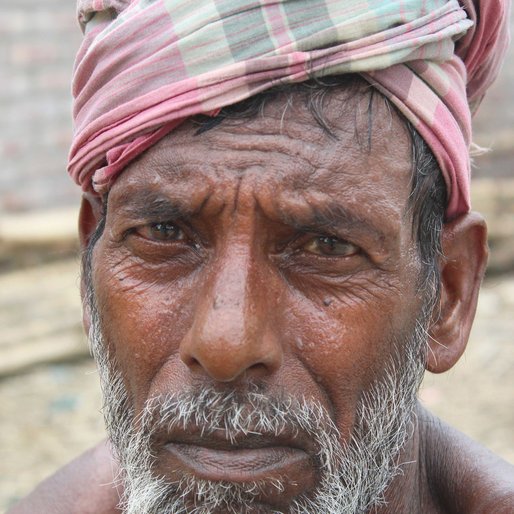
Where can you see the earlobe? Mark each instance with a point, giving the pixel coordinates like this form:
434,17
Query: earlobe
462,266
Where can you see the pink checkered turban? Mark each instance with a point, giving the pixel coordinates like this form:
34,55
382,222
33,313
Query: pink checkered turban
146,65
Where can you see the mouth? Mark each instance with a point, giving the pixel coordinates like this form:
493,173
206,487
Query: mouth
237,464
285,461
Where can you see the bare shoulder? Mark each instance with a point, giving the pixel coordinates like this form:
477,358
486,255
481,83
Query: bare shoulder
84,486
463,476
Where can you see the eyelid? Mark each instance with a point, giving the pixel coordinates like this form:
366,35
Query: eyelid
307,235
293,249
165,225
190,238
319,241
133,230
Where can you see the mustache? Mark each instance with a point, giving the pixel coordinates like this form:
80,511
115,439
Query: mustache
234,415
229,419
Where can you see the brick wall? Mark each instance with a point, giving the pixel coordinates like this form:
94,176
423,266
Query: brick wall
38,40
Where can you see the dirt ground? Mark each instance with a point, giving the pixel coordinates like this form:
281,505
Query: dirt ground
51,413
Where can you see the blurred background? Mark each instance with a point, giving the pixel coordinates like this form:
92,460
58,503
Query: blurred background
49,393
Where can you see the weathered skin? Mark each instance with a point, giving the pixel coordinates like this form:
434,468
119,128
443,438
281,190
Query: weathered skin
243,289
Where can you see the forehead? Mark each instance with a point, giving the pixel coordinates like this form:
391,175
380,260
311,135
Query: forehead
284,158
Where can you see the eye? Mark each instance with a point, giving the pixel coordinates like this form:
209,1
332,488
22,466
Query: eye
330,246
161,231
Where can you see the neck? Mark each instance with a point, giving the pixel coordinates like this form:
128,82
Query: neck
409,491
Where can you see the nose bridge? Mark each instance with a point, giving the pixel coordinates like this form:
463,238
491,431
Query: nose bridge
231,334
231,281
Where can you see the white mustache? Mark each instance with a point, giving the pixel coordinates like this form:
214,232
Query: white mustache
207,411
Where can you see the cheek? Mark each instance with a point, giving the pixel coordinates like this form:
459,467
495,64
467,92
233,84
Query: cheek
345,346
143,323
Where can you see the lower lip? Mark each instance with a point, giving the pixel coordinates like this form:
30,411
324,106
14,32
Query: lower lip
240,465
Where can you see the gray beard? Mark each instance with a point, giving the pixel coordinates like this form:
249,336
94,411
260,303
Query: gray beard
354,475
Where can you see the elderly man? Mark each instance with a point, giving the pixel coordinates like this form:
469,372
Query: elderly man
277,243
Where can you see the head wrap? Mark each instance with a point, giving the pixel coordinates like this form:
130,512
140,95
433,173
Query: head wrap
146,65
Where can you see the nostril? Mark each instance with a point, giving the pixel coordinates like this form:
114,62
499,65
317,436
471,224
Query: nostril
190,361
258,368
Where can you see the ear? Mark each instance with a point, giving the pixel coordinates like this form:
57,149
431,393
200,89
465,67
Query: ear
91,208
90,213
465,252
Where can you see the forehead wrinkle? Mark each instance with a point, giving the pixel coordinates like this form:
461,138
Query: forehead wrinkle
262,148
267,150
272,128
266,160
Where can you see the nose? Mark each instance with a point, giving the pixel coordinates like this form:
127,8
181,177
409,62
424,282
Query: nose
232,331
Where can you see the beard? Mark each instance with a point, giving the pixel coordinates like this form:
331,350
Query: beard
353,475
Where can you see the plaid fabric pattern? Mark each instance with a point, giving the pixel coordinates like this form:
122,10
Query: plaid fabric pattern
146,65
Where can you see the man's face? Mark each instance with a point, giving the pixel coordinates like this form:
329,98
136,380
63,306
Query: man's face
261,267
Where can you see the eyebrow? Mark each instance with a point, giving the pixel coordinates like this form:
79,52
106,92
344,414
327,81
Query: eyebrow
144,204
327,217
331,216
